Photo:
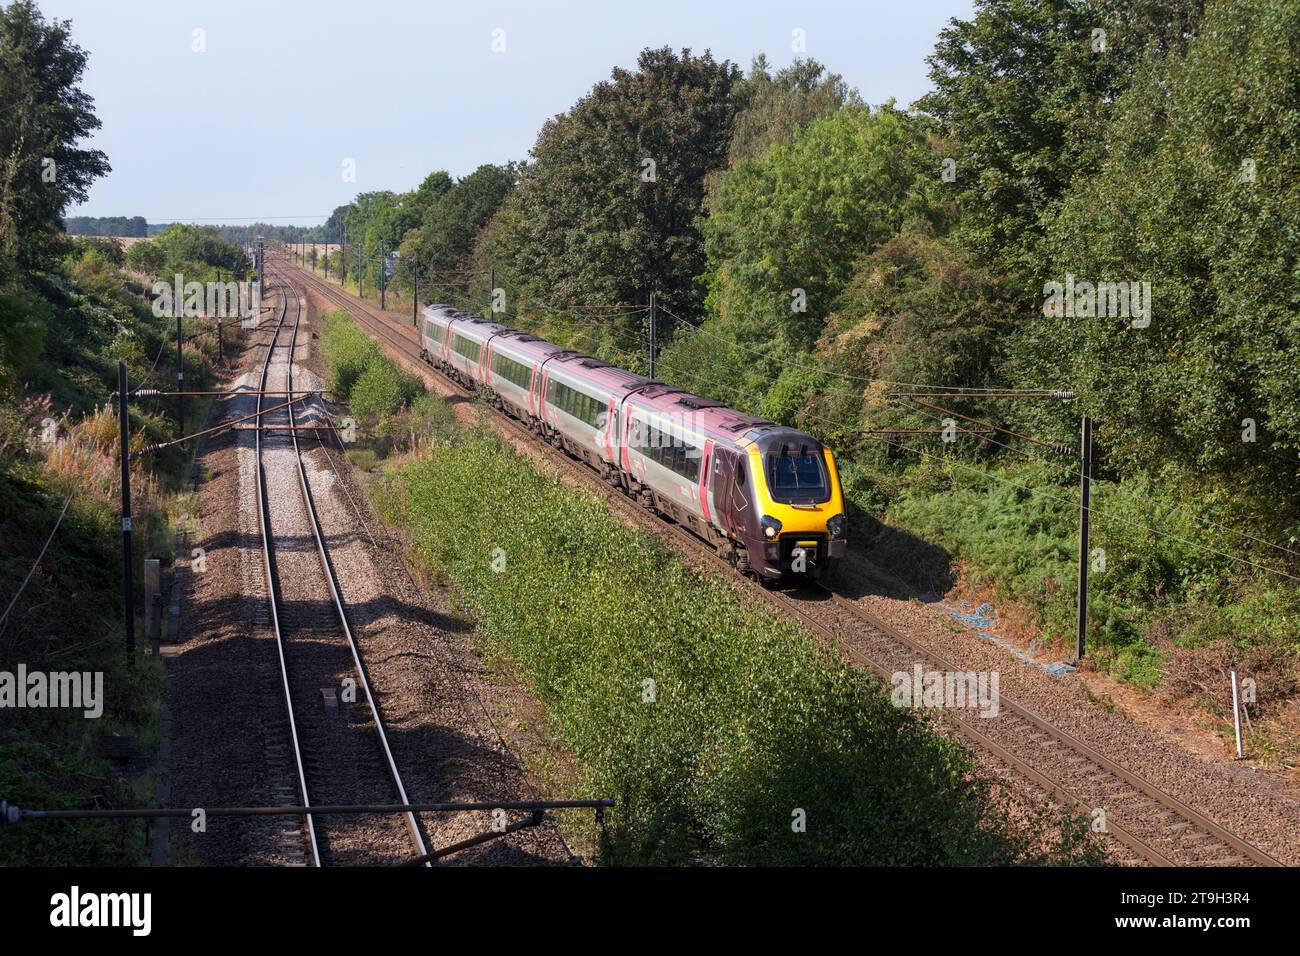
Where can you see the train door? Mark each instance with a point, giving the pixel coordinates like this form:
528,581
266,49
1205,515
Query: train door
706,494
731,497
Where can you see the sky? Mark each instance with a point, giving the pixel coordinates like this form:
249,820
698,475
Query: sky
254,116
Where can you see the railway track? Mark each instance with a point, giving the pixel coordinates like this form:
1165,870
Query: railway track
335,759
1156,826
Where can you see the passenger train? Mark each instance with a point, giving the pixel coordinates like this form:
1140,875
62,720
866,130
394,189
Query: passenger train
766,497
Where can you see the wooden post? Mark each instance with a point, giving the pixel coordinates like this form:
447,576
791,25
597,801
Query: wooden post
1236,714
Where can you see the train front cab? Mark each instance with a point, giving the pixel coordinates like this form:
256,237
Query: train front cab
796,524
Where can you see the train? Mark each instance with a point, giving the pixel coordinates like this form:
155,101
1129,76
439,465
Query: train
766,497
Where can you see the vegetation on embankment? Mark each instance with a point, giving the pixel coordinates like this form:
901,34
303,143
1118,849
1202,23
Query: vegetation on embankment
69,312
1169,609
391,407
714,725
59,437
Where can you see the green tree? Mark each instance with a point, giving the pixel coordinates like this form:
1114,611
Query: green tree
778,105
145,257
785,230
430,191
42,169
1199,195
446,236
1023,92
606,211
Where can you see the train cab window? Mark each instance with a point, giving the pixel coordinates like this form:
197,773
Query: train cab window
740,474
797,476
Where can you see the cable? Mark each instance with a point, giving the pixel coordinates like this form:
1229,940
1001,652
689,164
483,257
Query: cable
76,486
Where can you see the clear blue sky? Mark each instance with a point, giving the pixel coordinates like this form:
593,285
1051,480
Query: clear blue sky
259,124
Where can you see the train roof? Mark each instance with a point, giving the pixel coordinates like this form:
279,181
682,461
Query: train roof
597,371
704,413
476,327
524,345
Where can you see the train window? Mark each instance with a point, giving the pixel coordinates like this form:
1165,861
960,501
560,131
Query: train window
517,373
580,405
797,477
467,347
666,449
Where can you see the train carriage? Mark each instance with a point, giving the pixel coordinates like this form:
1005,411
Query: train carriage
467,346
581,397
514,367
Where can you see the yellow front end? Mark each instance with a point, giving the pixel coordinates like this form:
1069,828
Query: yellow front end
799,539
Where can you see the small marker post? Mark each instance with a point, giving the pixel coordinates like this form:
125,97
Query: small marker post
1236,714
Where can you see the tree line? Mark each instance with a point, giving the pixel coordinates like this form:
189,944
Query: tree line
814,256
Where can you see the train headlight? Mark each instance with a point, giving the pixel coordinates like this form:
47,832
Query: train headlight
836,526
771,527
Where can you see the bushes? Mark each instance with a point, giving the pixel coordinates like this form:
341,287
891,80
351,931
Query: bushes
347,352
710,724
362,375
378,391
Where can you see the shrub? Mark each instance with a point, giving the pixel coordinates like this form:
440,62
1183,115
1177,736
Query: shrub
347,352
378,391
